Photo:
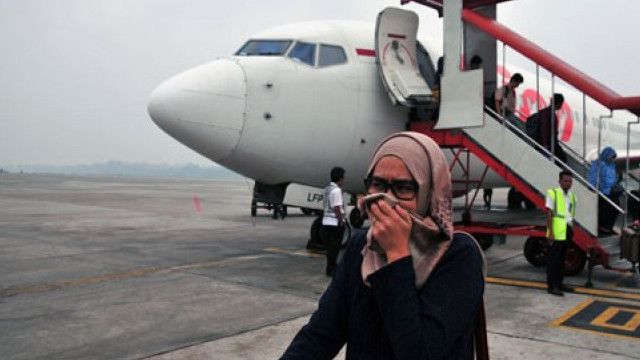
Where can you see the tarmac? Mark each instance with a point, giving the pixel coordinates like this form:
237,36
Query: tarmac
128,268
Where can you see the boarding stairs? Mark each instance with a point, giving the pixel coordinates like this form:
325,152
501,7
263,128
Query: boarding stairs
521,163
503,147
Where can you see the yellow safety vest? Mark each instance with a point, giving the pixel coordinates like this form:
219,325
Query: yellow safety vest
559,222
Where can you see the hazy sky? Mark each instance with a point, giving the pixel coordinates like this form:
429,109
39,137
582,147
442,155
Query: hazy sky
75,74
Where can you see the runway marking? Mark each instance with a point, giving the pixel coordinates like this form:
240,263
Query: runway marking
27,289
578,290
303,253
572,312
606,319
603,318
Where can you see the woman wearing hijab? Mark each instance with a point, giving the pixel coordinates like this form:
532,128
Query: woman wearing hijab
408,288
602,175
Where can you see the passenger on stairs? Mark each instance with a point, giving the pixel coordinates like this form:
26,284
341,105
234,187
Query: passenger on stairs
540,124
505,100
435,91
602,175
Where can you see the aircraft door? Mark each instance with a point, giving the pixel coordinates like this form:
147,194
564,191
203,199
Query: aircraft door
396,31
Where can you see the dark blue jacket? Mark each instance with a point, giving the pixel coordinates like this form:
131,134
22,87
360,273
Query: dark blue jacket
391,319
602,172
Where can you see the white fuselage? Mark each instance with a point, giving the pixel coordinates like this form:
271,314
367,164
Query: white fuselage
278,120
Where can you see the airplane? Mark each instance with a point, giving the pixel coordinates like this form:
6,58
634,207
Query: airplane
296,100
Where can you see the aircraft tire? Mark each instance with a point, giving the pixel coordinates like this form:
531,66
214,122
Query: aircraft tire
514,200
314,242
254,208
528,204
283,211
485,240
306,211
274,215
355,218
574,260
535,251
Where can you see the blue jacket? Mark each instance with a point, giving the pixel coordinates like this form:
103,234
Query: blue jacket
606,169
392,319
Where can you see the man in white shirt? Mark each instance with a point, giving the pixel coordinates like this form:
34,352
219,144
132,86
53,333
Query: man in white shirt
506,100
333,220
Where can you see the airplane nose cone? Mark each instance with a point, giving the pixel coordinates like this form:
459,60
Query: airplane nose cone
203,107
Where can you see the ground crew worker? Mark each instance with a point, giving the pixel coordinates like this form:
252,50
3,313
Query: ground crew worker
333,221
561,209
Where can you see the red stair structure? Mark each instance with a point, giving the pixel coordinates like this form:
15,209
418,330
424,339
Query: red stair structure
463,140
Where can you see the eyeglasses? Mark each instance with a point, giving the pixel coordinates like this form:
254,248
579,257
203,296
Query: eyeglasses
402,189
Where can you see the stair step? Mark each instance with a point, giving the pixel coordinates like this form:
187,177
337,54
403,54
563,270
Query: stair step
533,168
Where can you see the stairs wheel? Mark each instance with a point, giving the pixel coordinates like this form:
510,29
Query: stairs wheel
574,260
536,250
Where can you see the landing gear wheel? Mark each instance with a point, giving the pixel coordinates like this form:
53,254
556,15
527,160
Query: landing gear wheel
254,208
528,204
485,240
536,251
355,218
274,215
514,200
306,211
314,242
574,260
283,211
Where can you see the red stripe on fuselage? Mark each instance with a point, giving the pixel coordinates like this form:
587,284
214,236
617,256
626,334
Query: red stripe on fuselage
397,36
365,52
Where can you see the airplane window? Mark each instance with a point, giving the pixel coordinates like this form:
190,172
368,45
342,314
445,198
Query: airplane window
304,52
332,55
425,65
264,48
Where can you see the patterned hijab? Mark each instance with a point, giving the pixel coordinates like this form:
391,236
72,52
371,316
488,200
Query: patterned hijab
431,236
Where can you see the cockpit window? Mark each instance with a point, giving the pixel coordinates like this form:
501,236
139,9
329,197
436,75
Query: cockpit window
332,55
304,52
264,48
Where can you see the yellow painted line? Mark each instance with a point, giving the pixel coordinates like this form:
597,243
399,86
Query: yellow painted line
630,326
304,253
594,332
578,289
571,313
25,289
514,282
